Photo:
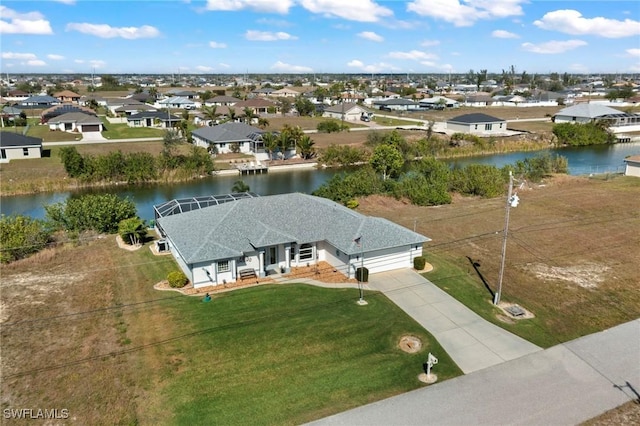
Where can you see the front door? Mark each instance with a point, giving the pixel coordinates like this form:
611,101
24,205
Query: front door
272,256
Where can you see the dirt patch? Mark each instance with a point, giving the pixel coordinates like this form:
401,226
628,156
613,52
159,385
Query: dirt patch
322,272
125,246
588,275
410,344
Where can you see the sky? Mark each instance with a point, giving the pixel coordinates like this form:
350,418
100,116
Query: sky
319,36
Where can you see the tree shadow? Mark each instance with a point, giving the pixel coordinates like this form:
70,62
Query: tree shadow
631,388
476,265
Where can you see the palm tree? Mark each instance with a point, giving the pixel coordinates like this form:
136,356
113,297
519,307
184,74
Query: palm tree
210,113
248,115
240,186
305,147
270,142
232,114
285,140
263,123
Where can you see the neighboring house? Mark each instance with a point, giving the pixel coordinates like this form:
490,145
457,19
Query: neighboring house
222,101
222,111
17,95
85,100
259,106
178,102
33,102
478,100
128,110
181,93
58,110
217,244
477,124
397,104
113,104
351,111
153,119
588,112
76,122
632,164
438,102
15,146
263,91
10,113
224,136
67,96
285,93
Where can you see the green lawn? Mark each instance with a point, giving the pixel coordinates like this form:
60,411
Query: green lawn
287,354
385,121
469,289
123,131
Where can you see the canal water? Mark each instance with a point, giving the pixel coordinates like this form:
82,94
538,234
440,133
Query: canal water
582,160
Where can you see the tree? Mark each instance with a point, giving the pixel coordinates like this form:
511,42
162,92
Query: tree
97,212
270,142
285,105
240,186
386,159
72,161
170,140
249,115
21,236
305,147
304,106
285,140
205,96
210,113
263,123
132,231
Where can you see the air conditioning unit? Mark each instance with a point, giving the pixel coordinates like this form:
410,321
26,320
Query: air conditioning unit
162,246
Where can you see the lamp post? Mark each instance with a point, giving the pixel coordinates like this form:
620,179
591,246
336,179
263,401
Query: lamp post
512,201
361,301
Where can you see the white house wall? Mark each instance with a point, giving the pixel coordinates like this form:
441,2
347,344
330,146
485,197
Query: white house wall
18,153
388,259
333,256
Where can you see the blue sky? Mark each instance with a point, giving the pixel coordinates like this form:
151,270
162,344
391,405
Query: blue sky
305,36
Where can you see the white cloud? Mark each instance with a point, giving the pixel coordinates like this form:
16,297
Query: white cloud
54,57
467,13
352,10
268,36
283,67
553,47
264,6
429,43
633,52
203,68
107,31
370,35
12,22
504,34
414,55
21,56
216,45
572,22
372,68
36,63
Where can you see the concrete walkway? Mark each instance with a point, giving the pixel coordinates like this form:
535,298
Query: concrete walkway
566,384
472,342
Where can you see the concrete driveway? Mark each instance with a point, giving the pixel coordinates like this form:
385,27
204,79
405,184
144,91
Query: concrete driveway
472,342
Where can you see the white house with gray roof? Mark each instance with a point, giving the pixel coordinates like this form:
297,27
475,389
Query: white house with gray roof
587,112
224,136
217,244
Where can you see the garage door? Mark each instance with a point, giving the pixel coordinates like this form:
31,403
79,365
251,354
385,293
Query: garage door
91,128
387,260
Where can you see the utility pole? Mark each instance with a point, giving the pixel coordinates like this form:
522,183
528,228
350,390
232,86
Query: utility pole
512,201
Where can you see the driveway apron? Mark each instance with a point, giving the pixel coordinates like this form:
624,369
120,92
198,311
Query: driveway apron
472,342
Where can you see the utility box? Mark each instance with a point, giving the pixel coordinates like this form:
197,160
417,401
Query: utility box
362,275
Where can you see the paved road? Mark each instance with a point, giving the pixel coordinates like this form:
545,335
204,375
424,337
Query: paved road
472,342
97,140
566,384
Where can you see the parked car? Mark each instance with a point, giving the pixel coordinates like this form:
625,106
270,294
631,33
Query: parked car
365,117
385,108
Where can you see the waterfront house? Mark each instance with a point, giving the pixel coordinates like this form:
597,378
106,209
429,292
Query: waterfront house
632,166
477,124
15,146
223,137
258,236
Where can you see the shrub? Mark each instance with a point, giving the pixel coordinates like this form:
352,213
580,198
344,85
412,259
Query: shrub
21,236
177,279
419,263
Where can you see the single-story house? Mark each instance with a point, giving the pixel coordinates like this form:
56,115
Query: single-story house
285,93
15,146
10,113
398,104
153,119
263,91
222,100
438,102
478,100
477,124
127,110
178,102
76,122
61,109
632,166
351,111
17,95
219,243
587,112
113,104
259,106
223,136
189,94
67,96
38,102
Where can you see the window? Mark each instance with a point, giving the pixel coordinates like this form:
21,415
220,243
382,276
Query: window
488,126
25,151
476,127
223,266
306,252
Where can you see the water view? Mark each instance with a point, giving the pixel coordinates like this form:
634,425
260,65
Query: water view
582,160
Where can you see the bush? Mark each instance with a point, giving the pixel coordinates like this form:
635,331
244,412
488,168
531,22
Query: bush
419,263
21,236
177,279
97,212
331,126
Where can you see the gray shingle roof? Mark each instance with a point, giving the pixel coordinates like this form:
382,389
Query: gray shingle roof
226,132
232,229
587,110
160,115
14,140
75,117
475,118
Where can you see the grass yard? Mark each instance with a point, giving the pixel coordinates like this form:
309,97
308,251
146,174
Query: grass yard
123,131
87,332
572,254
